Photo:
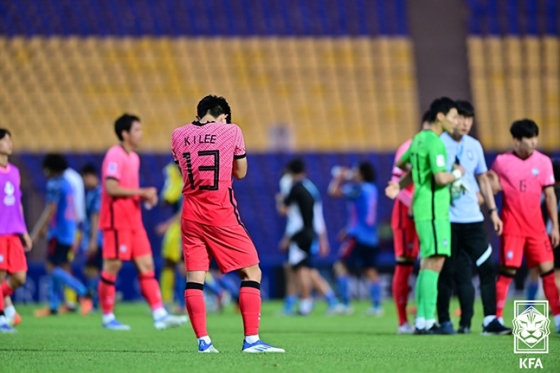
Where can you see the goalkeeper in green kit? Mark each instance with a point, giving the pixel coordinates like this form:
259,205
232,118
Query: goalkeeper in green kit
426,159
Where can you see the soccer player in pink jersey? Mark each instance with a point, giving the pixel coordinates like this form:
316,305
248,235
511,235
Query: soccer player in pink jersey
405,240
120,219
210,152
14,239
524,174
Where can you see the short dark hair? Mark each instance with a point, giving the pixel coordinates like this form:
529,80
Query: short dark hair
88,169
215,106
465,108
296,166
426,116
524,128
55,162
124,123
367,171
4,132
441,105
556,169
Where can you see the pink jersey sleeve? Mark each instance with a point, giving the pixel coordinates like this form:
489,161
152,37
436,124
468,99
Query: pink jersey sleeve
497,165
239,151
113,165
547,175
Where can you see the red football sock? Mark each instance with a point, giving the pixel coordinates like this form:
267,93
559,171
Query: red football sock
6,289
401,289
106,290
194,299
150,289
250,306
502,286
551,292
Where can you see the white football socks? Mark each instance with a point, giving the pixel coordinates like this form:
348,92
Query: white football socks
251,338
488,319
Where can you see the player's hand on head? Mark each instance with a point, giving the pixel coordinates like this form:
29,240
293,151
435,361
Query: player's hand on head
392,190
27,241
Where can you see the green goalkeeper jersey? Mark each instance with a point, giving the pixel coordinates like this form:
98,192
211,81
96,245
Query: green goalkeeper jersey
428,156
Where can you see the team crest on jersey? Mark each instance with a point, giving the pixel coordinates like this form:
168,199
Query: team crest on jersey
1,258
470,154
122,248
112,168
535,172
9,190
509,255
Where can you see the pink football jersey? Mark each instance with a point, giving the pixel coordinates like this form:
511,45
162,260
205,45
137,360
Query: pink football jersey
122,212
205,154
523,181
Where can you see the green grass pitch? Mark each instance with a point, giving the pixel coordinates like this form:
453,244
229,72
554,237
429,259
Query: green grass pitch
318,343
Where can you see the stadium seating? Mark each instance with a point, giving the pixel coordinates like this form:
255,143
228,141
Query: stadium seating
515,68
66,81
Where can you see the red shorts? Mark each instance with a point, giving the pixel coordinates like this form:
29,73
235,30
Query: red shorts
12,254
536,249
125,244
230,245
405,241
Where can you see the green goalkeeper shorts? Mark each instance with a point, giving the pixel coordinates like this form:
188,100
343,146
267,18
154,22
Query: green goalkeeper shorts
434,237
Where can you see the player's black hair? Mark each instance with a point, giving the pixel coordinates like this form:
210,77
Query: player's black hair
4,132
88,169
524,128
124,123
215,106
556,169
465,108
296,166
441,105
367,171
426,117
54,162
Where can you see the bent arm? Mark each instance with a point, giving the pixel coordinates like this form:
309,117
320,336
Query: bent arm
444,178
115,190
240,168
551,206
486,190
46,216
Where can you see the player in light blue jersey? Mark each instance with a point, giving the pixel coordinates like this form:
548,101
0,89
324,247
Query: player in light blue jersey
58,221
469,243
361,248
92,241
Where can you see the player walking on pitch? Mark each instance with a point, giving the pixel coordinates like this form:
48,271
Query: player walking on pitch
124,236
428,158
14,239
524,174
209,153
